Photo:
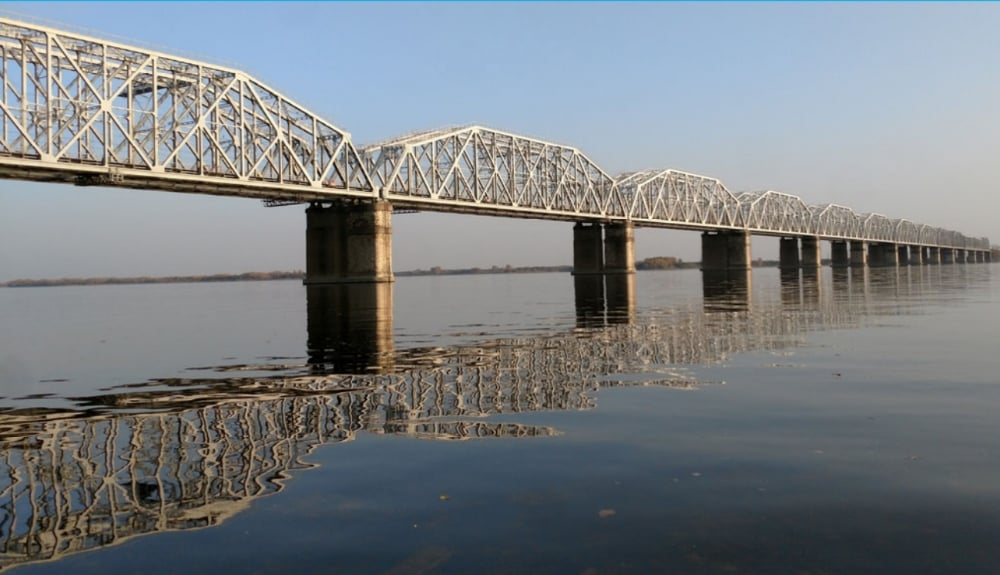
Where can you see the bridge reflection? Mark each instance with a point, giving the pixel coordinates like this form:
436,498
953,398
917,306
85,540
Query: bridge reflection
182,453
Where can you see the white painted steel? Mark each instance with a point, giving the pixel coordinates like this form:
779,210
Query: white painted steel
88,111
77,109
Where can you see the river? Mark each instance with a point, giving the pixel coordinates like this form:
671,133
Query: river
510,423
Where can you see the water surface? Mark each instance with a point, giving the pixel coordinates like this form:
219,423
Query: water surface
505,424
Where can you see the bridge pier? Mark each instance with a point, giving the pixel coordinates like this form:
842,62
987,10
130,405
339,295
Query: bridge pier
933,256
882,255
839,256
947,255
811,252
788,253
959,256
619,248
349,242
859,254
588,249
903,254
725,250
916,255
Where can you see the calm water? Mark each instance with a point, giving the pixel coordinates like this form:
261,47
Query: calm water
505,424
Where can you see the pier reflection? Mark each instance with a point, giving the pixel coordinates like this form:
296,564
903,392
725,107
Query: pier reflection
726,291
176,454
350,327
604,300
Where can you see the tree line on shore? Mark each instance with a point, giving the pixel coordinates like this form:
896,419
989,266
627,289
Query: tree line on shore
654,263
248,276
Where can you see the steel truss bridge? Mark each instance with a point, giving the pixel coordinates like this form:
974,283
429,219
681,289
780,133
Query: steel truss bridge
181,454
82,110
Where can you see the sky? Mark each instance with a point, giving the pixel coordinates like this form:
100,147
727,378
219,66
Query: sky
884,107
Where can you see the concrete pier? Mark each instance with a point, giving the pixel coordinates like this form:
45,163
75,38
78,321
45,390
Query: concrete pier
349,242
882,255
959,256
619,248
811,253
891,255
588,249
933,256
725,250
859,254
788,253
839,256
903,254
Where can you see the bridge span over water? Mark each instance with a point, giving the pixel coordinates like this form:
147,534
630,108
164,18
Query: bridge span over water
87,111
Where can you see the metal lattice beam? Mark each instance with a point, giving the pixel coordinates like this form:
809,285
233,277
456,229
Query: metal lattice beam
478,169
88,111
77,109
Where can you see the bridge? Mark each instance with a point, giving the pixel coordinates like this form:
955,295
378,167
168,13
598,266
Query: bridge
81,110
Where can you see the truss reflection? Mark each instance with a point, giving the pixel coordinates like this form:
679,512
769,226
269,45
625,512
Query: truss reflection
177,454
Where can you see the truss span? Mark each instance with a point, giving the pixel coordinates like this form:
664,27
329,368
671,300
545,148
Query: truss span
478,169
78,109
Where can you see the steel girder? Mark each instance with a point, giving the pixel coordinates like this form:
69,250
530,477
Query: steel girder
79,109
770,211
659,196
473,168
835,221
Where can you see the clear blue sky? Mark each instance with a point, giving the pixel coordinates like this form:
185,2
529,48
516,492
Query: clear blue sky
890,108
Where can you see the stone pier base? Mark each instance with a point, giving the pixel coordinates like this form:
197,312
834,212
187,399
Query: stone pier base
725,250
349,242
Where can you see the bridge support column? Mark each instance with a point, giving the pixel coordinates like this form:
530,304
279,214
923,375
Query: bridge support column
933,256
839,257
349,243
882,255
810,252
728,250
859,254
947,255
788,253
903,254
619,248
916,255
588,249
988,257
891,255
959,256
970,256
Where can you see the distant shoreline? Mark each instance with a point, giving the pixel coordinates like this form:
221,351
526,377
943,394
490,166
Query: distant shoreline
647,264
260,276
